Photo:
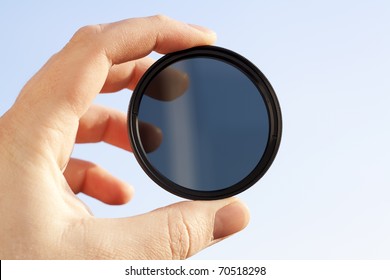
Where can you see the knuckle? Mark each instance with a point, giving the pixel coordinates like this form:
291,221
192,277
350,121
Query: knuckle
179,235
161,22
90,42
161,18
87,33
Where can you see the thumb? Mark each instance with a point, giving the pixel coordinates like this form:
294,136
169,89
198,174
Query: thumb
177,231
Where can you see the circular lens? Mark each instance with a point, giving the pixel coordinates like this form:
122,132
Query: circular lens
204,123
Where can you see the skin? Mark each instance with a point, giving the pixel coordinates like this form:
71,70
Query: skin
41,217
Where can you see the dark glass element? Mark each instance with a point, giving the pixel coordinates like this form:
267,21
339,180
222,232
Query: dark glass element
204,123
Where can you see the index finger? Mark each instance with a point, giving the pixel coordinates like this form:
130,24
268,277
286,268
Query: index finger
84,63
64,88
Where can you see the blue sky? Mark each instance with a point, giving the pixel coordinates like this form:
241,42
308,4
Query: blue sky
327,194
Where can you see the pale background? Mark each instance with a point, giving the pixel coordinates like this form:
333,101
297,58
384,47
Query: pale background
327,195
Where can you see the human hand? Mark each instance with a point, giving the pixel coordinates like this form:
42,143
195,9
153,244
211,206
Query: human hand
41,217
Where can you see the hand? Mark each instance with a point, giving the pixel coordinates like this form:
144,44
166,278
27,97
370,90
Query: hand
41,218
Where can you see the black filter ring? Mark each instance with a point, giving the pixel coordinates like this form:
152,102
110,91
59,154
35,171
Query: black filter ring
265,89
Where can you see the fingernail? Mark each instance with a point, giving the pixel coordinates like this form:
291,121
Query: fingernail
230,219
202,28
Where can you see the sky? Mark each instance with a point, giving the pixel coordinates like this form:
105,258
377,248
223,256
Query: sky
327,194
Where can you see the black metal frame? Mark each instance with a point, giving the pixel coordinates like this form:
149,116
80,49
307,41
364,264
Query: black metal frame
266,91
